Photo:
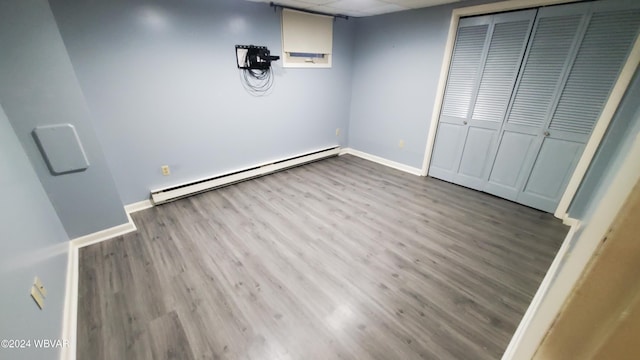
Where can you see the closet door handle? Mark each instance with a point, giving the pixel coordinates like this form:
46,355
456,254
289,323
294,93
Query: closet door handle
464,122
547,133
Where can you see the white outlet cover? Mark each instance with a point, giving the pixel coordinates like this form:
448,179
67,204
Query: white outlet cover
40,286
37,297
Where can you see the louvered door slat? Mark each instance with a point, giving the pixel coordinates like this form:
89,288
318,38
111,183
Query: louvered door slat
546,60
463,72
600,57
501,67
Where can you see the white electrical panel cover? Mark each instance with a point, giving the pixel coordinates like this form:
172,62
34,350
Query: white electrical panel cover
61,148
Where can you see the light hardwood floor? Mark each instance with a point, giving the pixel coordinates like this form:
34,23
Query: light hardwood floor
338,259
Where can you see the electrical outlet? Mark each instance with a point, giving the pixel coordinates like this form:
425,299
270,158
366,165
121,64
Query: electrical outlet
37,297
338,132
38,284
401,144
165,170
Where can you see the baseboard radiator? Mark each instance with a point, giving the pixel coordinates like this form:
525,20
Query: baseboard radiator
162,196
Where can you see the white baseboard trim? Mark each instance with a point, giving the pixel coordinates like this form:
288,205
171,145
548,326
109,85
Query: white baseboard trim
534,307
382,161
570,221
115,231
138,206
566,219
70,313
105,234
70,316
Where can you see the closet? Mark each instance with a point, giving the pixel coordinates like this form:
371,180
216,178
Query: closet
523,93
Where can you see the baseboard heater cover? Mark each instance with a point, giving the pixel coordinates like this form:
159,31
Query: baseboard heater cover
162,196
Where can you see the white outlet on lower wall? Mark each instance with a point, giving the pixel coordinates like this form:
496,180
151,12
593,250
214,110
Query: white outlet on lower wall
38,292
165,170
40,286
37,297
401,144
338,132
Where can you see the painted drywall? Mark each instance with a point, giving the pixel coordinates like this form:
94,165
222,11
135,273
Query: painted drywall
38,87
32,242
160,78
623,129
397,61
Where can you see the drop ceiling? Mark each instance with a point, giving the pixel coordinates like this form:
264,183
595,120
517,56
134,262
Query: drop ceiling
358,8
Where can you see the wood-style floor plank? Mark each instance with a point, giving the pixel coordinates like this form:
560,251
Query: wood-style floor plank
338,259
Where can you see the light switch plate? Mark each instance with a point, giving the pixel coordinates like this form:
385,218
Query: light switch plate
37,297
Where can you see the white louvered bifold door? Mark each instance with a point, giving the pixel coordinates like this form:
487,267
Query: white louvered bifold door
484,66
604,49
524,92
556,34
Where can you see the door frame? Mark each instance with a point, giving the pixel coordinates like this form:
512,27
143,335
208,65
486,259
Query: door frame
600,127
578,248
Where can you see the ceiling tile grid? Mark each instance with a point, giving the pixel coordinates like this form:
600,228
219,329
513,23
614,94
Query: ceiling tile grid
358,8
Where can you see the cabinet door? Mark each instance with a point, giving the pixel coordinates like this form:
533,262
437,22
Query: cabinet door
476,99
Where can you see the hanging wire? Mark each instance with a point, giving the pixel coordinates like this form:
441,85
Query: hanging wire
257,82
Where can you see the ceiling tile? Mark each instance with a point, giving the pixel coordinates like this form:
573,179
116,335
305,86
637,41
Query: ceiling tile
317,2
415,4
384,9
326,9
358,7
293,3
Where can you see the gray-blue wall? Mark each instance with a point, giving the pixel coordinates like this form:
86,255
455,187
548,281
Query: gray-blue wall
32,242
161,81
397,61
612,151
38,87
